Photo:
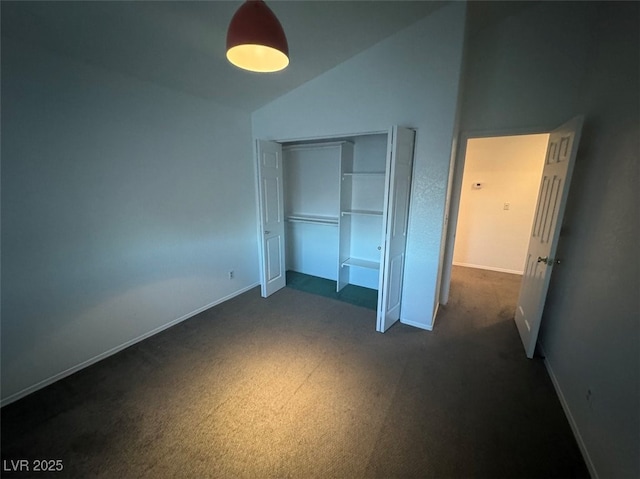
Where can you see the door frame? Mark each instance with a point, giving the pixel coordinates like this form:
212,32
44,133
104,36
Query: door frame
456,172
256,175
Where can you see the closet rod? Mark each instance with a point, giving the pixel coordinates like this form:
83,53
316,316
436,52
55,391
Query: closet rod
313,220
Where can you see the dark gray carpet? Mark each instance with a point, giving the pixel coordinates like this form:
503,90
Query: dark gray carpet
298,385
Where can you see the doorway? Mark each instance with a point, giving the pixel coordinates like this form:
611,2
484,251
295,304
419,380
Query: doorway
498,194
496,176
545,226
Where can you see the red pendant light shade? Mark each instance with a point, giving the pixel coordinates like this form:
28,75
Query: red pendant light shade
256,40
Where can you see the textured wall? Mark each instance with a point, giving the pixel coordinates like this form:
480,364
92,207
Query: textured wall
535,70
591,326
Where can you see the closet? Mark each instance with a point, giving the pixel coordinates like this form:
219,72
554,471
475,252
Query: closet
337,209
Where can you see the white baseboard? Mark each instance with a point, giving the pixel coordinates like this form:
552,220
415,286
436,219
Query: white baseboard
435,315
489,268
426,327
567,412
112,351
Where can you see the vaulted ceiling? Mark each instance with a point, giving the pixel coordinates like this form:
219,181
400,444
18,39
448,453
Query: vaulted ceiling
181,44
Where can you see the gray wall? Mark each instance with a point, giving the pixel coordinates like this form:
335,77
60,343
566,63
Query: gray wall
410,79
534,71
122,211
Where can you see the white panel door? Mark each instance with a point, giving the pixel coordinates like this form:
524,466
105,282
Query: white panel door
552,197
395,213
271,204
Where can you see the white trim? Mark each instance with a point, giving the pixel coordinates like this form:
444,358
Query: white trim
417,325
314,146
567,411
473,134
112,351
435,314
338,137
489,268
426,327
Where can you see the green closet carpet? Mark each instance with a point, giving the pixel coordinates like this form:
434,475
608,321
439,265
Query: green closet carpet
352,294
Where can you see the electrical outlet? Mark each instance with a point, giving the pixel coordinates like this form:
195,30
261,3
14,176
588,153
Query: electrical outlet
231,274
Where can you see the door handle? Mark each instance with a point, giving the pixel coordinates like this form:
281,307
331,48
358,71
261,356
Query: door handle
548,261
267,232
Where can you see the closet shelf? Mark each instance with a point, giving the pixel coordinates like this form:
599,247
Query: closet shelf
362,212
361,263
315,220
364,173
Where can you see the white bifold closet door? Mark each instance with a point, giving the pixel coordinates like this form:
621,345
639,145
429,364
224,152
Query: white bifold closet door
395,213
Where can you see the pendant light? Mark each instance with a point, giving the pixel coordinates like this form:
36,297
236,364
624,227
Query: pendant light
256,40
